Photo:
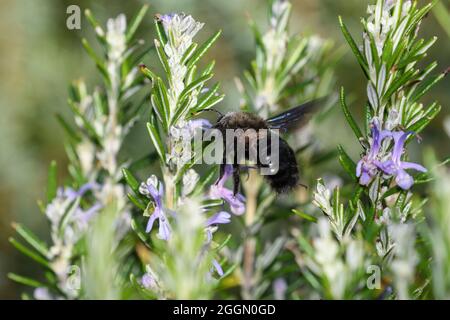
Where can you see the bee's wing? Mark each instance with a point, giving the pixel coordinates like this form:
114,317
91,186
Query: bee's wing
297,116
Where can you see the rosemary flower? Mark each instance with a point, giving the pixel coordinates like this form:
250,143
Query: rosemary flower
367,166
221,217
396,167
218,191
153,189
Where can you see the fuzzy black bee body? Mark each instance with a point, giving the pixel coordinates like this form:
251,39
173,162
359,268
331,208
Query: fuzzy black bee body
241,120
287,176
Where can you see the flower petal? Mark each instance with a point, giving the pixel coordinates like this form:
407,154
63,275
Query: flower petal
399,143
387,166
404,180
358,168
221,217
148,281
237,207
150,222
412,165
365,178
227,173
218,267
164,230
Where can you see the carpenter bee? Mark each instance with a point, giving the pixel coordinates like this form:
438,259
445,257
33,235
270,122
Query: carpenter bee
286,176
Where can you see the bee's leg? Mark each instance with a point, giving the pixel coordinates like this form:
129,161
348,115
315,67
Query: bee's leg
222,166
236,179
221,171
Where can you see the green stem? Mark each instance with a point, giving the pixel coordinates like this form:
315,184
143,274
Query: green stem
251,186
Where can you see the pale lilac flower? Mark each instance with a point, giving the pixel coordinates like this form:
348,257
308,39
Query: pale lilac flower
82,217
181,25
72,194
279,289
396,167
367,168
148,282
218,190
199,123
221,217
166,18
42,293
192,126
218,267
64,198
151,190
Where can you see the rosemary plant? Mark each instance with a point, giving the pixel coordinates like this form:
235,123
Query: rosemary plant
156,228
102,119
288,69
383,209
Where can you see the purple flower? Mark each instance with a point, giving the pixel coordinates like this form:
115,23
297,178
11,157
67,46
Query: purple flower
218,267
221,217
150,190
83,217
279,289
148,282
396,167
218,190
166,18
367,168
199,123
72,194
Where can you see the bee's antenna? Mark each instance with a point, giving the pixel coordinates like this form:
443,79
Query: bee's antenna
211,109
216,111
303,185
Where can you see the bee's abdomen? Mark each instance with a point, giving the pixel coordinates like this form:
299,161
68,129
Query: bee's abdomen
287,176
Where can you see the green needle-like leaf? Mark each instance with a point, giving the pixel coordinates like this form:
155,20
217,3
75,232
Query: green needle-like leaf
25,281
354,47
346,162
351,121
130,179
31,238
202,49
136,201
29,253
52,183
136,22
154,136
304,215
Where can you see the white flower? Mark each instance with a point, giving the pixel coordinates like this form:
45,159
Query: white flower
86,155
112,142
180,30
151,181
42,293
275,45
322,197
115,37
190,180
406,7
326,247
355,255
405,257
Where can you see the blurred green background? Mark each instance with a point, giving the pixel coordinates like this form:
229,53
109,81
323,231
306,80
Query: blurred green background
40,56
